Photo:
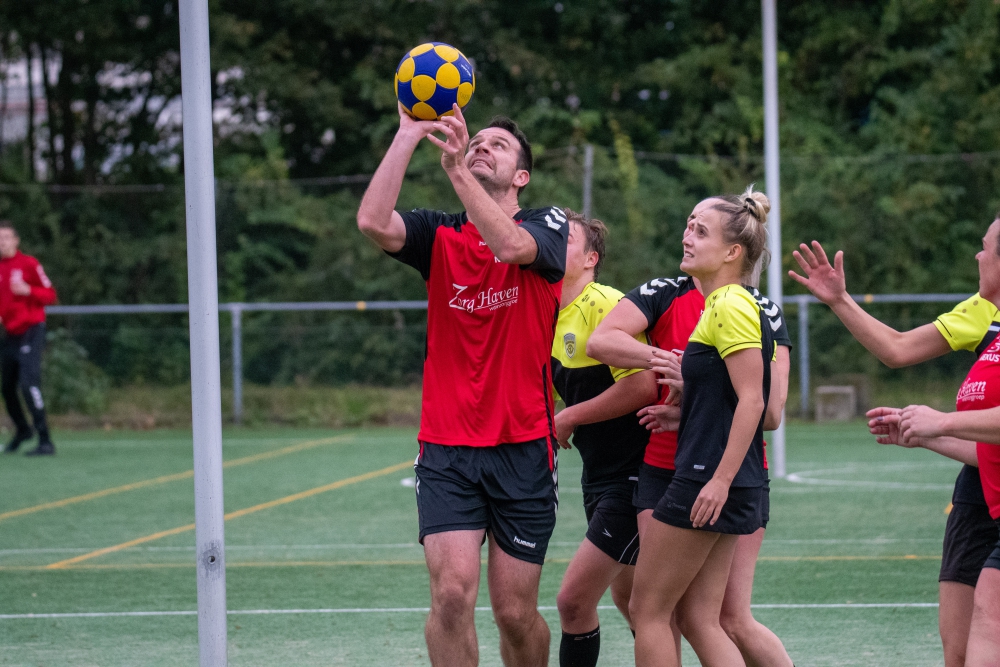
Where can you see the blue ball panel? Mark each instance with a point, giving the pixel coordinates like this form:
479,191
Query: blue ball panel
464,68
406,96
428,63
442,99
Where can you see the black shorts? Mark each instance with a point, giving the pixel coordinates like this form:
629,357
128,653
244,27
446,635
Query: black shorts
969,537
510,490
611,522
653,483
741,514
993,560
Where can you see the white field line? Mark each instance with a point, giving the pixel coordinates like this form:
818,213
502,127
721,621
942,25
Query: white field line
414,545
422,610
818,477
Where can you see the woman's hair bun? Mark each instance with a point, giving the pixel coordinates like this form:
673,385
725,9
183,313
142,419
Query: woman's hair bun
756,204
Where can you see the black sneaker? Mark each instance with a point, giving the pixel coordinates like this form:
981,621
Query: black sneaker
16,441
45,448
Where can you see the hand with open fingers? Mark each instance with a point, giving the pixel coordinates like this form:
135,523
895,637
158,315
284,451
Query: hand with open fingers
456,139
660,418
667,365
919,421
883,423
565,425
708,505
825,281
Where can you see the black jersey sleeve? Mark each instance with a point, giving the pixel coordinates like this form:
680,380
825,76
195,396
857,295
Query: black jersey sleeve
654,297
550,230
775,317
421,228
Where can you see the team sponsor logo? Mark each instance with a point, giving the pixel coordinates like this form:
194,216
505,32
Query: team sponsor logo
972,391
518,540
569,344
992,353
488,299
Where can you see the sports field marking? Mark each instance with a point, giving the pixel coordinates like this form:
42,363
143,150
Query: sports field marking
816,477
232,515
74,563
424,610
164,479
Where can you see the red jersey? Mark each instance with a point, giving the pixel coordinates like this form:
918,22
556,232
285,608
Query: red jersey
981,390
490,325
672,307
21,312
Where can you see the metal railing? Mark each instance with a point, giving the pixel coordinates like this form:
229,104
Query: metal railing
236,310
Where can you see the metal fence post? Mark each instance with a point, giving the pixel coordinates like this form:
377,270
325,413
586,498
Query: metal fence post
236,312
588,179
803,353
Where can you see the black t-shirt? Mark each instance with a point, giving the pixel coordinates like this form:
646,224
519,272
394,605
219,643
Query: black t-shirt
733,321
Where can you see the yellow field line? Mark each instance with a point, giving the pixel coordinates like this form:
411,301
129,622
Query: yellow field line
371,563
232,515
164,479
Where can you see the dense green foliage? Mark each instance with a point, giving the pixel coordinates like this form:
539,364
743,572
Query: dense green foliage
889,131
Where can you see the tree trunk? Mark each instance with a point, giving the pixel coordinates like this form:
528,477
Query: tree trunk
49,108
30,143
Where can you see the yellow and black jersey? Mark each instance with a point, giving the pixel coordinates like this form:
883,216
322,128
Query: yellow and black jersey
971,325
733,320
611,450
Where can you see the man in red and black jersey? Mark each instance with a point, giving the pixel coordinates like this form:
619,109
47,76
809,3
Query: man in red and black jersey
25,290
487,462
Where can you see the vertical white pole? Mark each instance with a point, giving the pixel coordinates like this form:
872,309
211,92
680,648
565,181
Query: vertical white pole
772,174
588,180
203,299
236,313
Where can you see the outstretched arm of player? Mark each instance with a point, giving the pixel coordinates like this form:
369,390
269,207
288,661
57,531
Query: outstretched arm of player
508,241
920,421
624,397
746,370
884,424
779,388
895,349
613,341
377,218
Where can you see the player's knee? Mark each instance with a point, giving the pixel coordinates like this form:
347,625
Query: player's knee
452,602
515,619
571,605
735,624
621,600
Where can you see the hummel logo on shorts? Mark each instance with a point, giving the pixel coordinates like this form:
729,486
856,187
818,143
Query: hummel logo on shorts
518,540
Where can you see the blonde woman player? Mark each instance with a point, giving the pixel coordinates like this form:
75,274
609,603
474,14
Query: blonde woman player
667,311
970,533
717,490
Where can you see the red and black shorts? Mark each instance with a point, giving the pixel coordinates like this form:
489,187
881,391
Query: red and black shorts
510,490
611,521
969,537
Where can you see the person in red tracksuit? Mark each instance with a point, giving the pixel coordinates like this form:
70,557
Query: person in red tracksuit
25,290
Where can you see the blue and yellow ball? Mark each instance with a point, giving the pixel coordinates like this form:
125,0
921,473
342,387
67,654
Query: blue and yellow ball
432,77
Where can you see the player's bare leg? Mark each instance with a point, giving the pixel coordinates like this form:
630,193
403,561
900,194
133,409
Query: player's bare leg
670,561
644,518
524,635
760,647
984,634
621,591
453,560
589,574
699,609
954,618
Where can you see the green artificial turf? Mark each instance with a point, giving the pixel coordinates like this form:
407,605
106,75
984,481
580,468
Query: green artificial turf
859,523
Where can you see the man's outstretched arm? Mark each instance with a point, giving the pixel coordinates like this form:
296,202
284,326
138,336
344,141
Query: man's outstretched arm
377,218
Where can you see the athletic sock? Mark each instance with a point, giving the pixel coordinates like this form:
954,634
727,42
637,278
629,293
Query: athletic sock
580,650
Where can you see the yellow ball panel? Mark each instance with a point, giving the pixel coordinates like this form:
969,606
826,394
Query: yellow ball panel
449,112
448,76
423,87
449,53
464,94
408,111
405,71
423,48
423,111
395,86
